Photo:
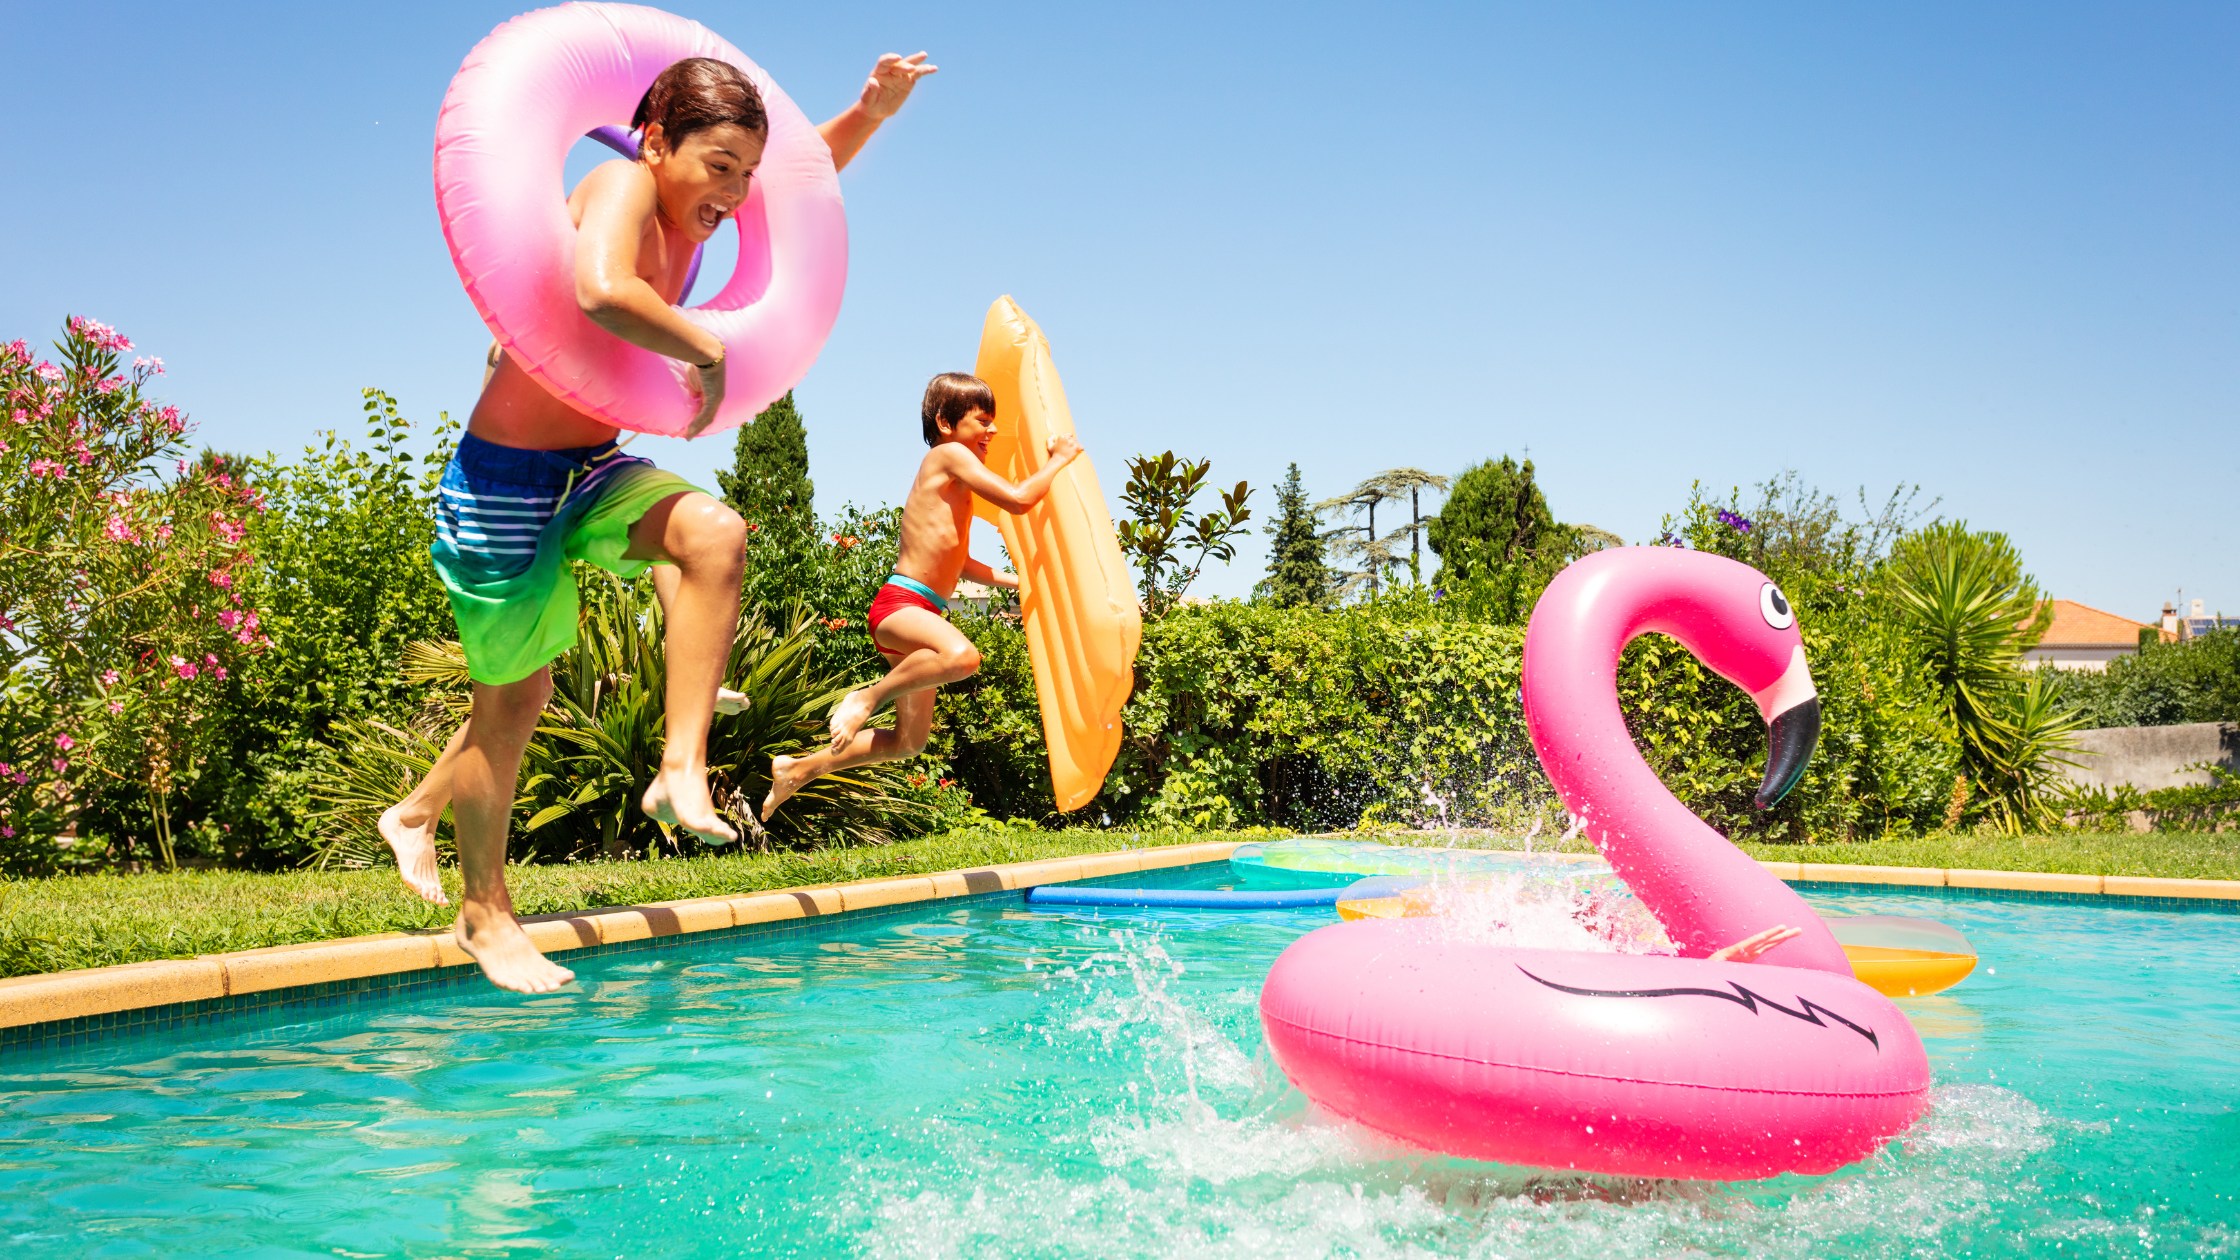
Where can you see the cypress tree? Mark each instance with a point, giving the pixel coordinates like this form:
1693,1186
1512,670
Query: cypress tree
1494,516
1297,576
768,484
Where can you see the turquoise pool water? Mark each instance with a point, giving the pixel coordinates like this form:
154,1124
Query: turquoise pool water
989,1080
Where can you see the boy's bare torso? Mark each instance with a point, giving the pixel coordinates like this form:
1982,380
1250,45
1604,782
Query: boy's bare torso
937,522
514,410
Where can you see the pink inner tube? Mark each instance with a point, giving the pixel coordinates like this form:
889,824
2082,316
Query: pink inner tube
1625,1064
525,94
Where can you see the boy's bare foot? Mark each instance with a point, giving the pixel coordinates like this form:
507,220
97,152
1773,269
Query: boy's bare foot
679,798
494,939
848,717
729,701
415,848
787,774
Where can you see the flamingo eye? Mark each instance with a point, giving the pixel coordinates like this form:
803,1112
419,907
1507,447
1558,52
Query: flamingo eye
1774,607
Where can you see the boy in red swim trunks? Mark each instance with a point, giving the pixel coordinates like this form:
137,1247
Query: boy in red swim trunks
909,616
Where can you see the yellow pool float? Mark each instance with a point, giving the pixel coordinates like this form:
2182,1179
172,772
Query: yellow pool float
1075,593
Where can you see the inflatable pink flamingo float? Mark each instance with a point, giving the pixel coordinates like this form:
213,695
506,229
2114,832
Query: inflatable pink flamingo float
1628,1064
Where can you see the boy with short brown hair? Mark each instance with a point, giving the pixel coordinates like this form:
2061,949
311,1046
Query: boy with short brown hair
909,617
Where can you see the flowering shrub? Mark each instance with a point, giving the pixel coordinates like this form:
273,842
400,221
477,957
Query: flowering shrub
120,613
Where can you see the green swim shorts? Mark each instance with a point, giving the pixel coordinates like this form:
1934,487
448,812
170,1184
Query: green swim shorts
508,524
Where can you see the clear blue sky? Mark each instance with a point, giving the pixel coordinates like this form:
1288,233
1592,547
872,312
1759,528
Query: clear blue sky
1989,248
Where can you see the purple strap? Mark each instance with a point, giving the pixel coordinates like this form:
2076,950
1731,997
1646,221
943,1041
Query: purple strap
621,141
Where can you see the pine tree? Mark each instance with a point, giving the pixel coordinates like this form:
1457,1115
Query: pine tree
769,484
1297,576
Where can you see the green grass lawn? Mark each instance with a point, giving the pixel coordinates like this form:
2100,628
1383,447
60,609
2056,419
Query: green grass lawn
2176,855
95,920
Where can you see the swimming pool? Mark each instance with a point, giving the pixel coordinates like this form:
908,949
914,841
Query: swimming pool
985,1079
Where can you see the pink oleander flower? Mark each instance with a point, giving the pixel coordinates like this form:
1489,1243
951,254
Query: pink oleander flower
218,672
220,578
119,530
108,385
6,623
64,742
46,468
210,658
20,416
99,334
163,532
19,778
231,531
82,451
16,351
149,364
5,448
183,667
61,765
7,833
6,769
229,619
221,480
109,678
116,707
47,372
171,418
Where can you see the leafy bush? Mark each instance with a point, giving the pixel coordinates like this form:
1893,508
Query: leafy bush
345,584
1159,494
2197,807
1401,709
121,604
600,744
2165,684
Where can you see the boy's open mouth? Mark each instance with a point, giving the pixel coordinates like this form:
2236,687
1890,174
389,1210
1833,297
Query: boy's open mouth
711,217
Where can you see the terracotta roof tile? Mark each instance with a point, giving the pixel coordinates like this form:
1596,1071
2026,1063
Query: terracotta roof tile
2078,625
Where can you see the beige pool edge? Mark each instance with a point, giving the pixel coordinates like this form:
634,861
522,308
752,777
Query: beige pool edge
68,995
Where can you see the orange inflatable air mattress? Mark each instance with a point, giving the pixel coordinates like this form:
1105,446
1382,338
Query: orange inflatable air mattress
1079,601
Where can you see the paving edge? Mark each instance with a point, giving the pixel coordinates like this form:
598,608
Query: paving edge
62,996
2009,881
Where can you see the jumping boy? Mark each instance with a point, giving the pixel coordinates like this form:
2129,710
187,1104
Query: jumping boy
536,484
909,616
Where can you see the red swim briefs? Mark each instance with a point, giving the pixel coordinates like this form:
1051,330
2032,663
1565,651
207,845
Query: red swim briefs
883,605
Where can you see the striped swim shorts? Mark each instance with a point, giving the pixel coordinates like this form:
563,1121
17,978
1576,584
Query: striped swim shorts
509,522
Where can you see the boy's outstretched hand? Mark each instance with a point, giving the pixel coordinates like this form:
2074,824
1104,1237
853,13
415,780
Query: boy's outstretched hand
1064,447
1749,947
890,83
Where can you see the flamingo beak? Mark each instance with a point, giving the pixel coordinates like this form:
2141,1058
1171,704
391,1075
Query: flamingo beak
1791,707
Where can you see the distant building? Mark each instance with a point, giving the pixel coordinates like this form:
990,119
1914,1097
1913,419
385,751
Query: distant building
2196,623
2083,637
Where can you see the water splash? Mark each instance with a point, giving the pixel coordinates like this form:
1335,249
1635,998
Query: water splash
1216,1156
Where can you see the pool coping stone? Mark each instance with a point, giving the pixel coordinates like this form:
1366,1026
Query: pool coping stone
93,998
64,997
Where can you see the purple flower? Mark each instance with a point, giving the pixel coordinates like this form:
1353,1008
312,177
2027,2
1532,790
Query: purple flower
1736,521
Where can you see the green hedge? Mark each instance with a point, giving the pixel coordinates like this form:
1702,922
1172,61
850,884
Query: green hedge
1398,711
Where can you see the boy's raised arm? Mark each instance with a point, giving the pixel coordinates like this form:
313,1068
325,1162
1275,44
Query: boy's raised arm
1015,499
883,93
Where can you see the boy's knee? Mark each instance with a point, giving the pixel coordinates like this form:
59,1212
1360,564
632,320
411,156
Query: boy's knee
713,535
516,704
965,660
